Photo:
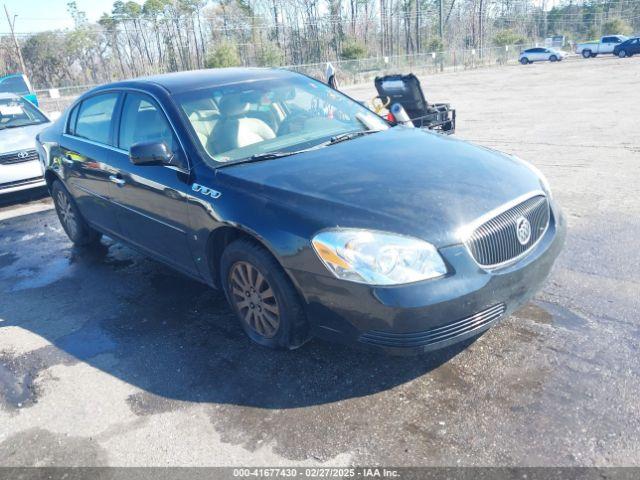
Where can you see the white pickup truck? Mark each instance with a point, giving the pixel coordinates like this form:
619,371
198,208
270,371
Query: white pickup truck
605,45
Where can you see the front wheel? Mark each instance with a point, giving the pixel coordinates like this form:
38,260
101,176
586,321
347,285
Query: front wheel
553,58
262,296
74,225
622,53
586,53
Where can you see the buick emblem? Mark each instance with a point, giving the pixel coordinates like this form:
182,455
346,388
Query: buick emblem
23,154
523,230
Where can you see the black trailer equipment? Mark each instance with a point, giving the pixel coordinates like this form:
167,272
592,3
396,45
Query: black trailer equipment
406,90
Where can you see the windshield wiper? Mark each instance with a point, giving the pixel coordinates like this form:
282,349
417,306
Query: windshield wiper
271,155
259,157
349,136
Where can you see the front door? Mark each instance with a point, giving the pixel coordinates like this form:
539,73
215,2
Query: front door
152,199
87,152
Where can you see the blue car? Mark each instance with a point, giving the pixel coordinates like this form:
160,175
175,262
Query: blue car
18,84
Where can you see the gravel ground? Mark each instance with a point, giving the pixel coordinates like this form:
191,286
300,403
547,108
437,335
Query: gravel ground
108,358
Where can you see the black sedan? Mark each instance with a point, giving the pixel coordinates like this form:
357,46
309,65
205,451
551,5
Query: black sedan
627,48
314,215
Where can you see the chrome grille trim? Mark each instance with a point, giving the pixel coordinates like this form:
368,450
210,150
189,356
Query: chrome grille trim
13,157
450,331
492,241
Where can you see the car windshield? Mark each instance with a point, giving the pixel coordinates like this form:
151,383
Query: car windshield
18,112
253,118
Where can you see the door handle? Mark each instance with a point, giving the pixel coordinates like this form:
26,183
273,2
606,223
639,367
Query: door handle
67,159
117,180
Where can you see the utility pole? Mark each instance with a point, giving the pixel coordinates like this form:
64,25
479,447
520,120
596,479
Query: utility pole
441,25
15,40
441,55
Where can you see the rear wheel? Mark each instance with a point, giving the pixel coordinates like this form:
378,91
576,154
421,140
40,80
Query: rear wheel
524,60
74,225
262,296
586,53
622,53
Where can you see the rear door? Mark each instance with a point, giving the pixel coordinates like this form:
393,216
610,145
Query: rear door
87,149
152,199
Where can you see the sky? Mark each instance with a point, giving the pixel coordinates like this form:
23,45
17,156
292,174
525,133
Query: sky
39,15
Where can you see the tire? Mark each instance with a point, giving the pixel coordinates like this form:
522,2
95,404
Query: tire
586,53
553,58
524,60
622,53
72,221
262,296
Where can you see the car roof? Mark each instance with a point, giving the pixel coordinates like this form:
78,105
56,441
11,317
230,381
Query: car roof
178,82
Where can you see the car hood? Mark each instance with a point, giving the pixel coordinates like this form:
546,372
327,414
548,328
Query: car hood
20,138
402,180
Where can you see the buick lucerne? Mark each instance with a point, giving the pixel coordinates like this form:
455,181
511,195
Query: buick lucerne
315,216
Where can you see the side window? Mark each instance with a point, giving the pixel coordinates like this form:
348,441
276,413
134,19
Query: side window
143,121
94,117
73,117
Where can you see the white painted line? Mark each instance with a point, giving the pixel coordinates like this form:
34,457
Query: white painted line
25,210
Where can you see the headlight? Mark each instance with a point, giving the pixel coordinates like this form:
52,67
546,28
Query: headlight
377,258
543,180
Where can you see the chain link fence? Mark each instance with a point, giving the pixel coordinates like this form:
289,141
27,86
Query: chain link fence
350,72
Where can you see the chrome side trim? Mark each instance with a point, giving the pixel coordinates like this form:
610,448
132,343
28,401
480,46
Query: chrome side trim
97,144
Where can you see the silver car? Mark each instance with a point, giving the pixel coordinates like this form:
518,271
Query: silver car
541,54
20,122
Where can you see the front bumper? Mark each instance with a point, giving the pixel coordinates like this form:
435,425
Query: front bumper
20,176
432,314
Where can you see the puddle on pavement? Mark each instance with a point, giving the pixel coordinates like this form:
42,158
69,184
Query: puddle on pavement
43,276
17,387
547,313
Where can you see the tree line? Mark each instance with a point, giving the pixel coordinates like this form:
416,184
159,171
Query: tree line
168,35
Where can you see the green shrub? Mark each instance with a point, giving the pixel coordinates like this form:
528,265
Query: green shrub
225,55
269,55
353,50
615,26
508,37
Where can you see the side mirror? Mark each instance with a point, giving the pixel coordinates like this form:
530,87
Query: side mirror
150,153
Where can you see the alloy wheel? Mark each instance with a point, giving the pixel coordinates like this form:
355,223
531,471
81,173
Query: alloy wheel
622,53
254,299
67,215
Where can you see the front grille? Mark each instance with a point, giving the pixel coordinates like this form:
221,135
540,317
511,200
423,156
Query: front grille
447,332
18,157
19,183
495,241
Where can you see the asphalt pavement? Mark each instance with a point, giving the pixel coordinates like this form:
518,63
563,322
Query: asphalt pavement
109,358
